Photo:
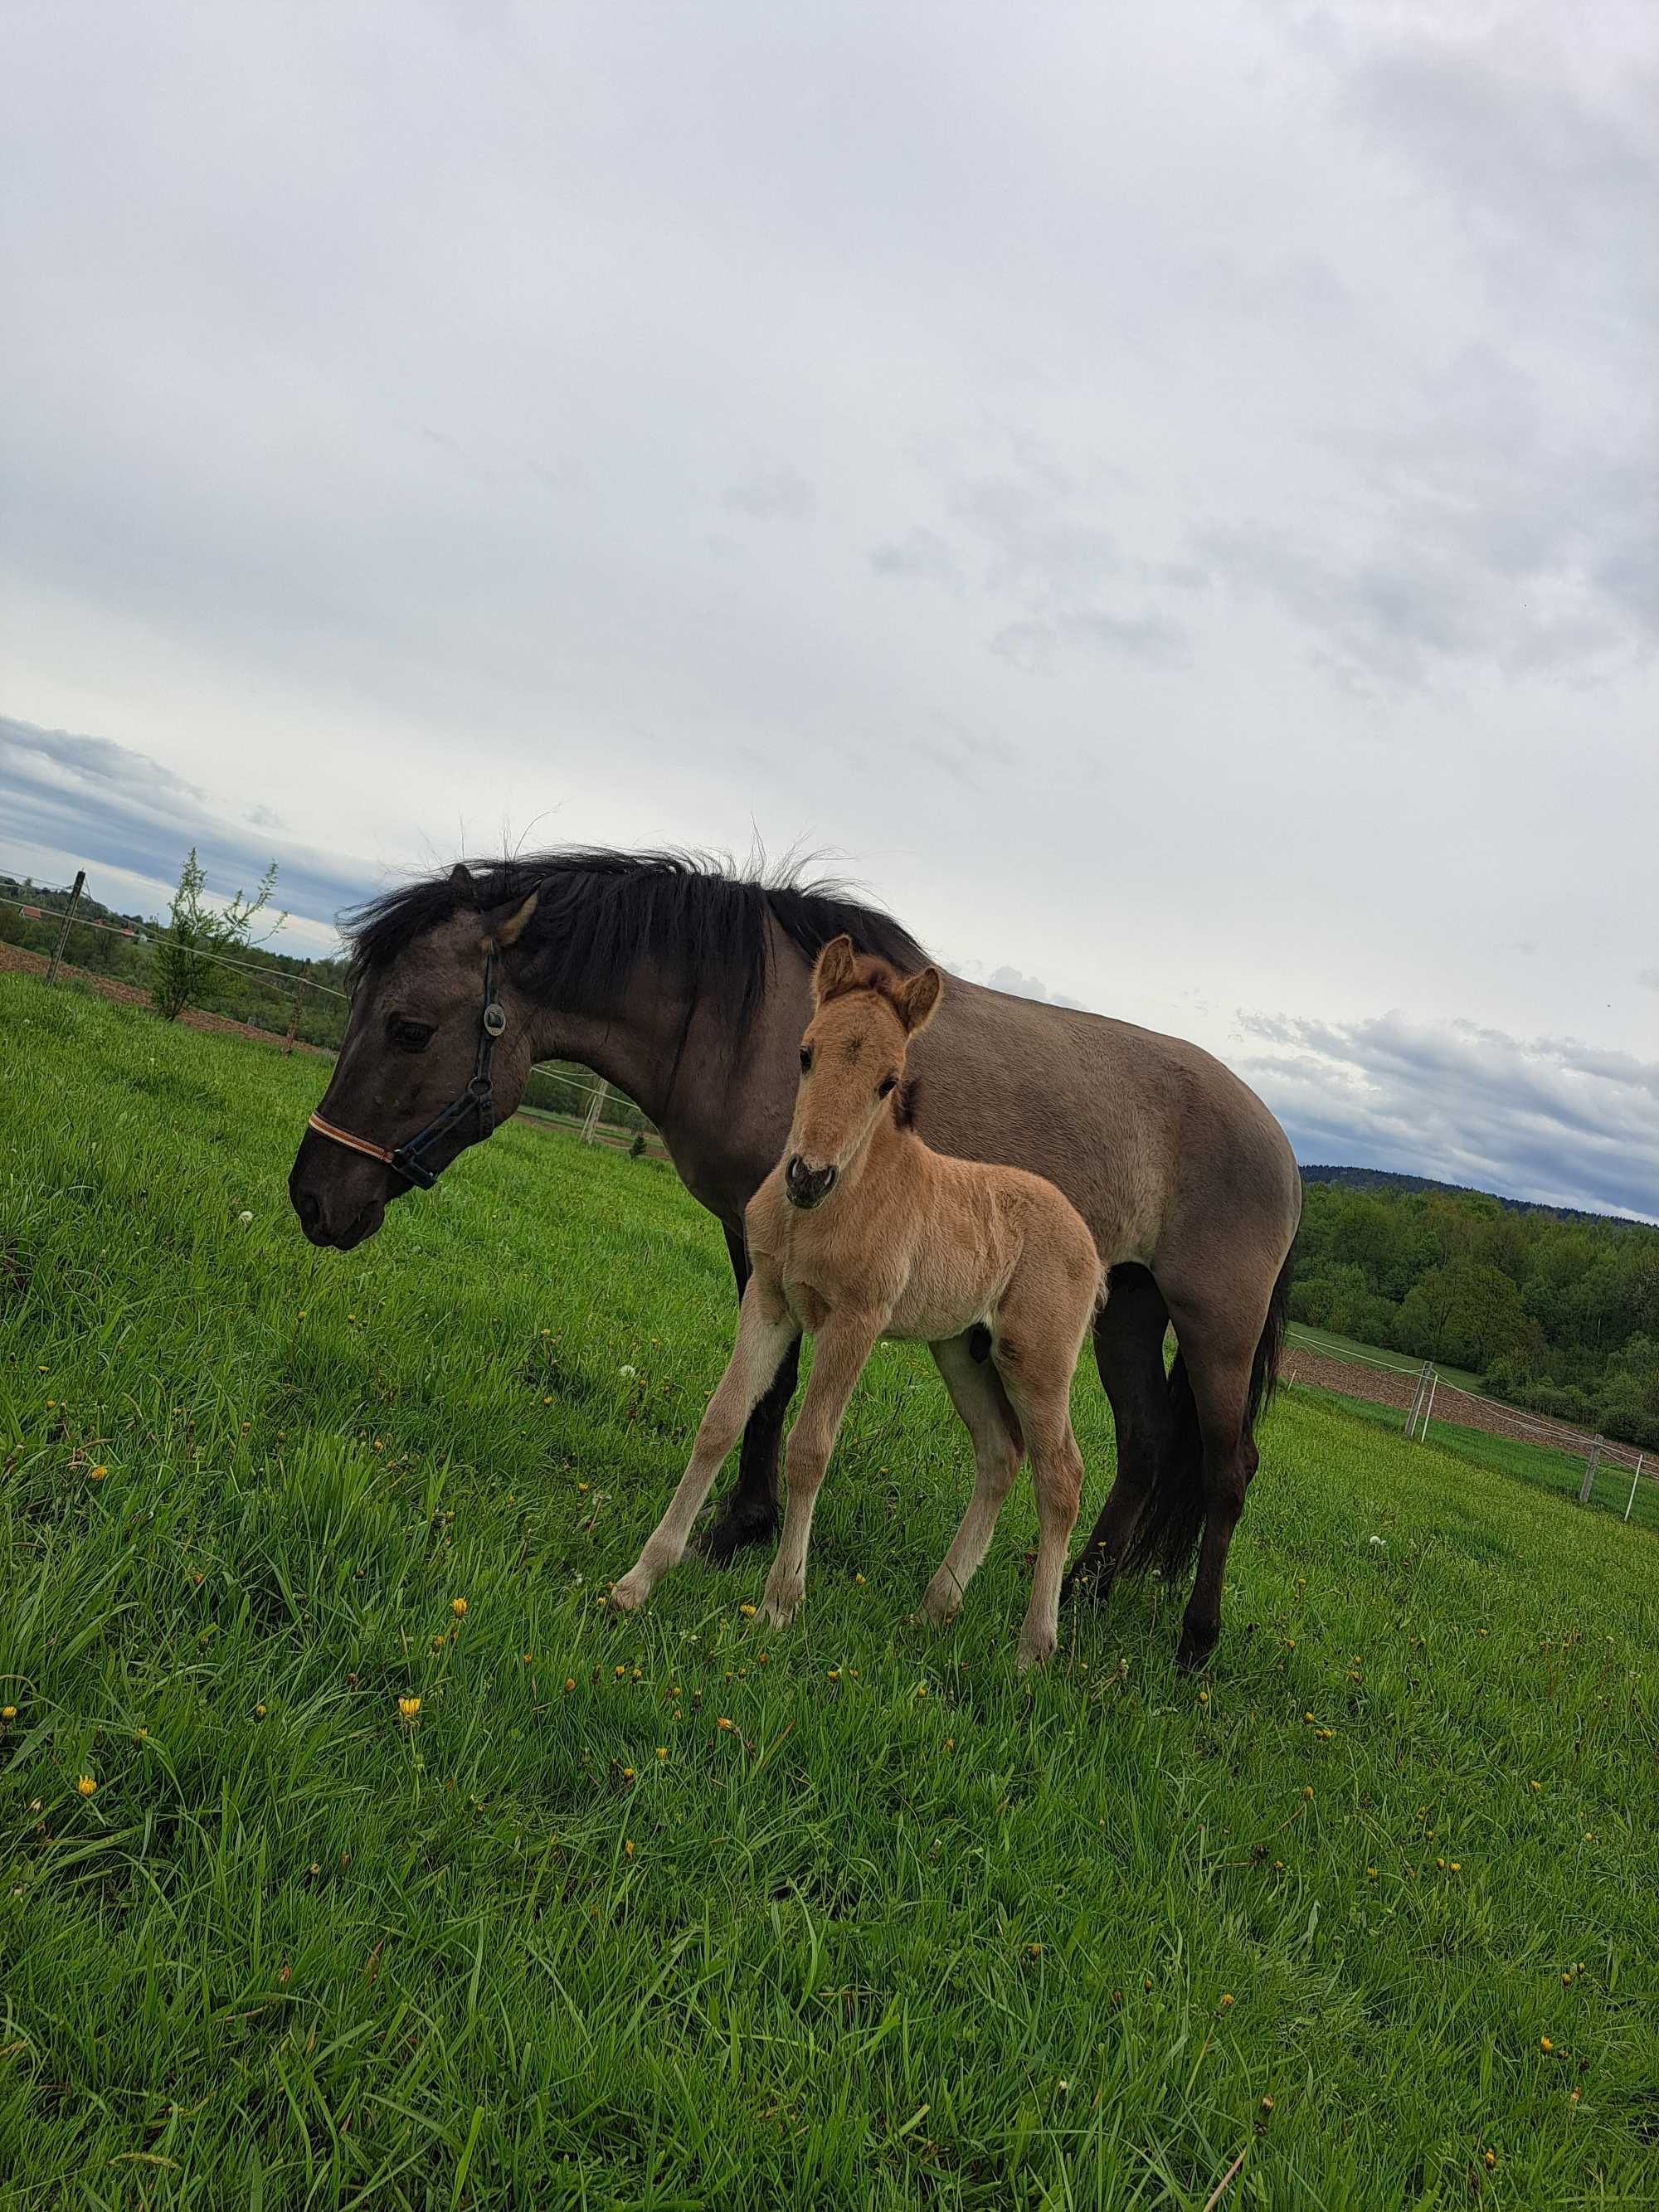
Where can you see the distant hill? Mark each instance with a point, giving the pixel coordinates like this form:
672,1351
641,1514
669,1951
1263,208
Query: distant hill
1390,1179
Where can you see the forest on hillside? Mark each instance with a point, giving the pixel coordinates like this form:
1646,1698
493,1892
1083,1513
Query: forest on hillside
1557,1313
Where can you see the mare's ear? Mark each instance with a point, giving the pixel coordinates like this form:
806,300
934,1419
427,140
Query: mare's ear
836,970
509,932
462,889
917,998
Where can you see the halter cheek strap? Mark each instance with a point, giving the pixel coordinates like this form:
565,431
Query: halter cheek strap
477,1103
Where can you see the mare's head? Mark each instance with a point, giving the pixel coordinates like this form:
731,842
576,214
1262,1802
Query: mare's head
411,1049
852,1062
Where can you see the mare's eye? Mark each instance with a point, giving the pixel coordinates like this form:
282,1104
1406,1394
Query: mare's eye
408,1035
887,1083
806,1058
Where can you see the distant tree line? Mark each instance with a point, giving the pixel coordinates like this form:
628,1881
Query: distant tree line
1559,1313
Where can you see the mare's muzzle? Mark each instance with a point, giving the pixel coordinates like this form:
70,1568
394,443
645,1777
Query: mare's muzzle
806,1187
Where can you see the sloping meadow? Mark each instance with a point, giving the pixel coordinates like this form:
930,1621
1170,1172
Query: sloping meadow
354,1853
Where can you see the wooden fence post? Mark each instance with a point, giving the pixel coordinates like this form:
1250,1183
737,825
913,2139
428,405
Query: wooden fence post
294,1016
68,916
1588,1483
590,1126
1634,1479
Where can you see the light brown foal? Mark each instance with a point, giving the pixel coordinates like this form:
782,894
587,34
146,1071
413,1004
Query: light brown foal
861,1232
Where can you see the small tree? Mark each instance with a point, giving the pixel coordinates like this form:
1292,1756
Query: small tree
195,930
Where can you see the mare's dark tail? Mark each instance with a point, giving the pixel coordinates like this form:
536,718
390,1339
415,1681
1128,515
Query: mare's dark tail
1171,1522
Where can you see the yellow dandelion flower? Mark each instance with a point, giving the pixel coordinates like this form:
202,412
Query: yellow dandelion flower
259,1712
628,1774
569,1679
627,1849
621,1671
1307,1789
582,1486
1491,2159
1203,1697
85,1785
722,1723
409,1707
835,1673
1457,1866
1226,2000
1033,1950
457,1607
858,1578
8,1712
1441,1863
1534,1785
1370,1873
921,1689
98,1473
662,1751
747,1611
1544,2043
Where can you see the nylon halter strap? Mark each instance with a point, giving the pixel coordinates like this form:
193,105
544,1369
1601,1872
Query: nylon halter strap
477,1100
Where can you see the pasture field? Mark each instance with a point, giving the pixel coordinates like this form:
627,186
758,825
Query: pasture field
1372,1904
1349,1347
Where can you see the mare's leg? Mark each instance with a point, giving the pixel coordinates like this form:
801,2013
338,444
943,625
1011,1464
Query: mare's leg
1219,1353
977,1393
1129,1353
748,1512
839,1351
765,1325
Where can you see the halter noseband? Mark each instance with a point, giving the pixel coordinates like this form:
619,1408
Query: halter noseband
477,1100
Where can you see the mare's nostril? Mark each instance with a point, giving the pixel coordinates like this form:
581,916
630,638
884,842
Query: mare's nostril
309,1209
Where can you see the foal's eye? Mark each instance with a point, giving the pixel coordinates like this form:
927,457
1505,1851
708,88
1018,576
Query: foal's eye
888,1083
409,1036
806,1059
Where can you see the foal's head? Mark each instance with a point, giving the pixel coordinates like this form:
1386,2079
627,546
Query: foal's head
852,1061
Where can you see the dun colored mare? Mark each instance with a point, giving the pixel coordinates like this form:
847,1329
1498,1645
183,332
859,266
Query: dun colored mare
688,988
861,1232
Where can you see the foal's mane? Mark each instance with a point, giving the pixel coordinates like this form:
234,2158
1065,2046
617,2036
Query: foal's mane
601,912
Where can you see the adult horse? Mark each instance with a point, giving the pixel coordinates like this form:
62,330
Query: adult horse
687,987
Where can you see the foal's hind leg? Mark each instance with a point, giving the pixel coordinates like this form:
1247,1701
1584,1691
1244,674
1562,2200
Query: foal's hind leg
1038,1380
977,1393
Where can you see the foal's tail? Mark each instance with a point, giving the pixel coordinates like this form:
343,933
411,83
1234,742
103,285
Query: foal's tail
1171,1522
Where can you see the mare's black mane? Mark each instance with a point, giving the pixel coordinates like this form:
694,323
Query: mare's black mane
601,913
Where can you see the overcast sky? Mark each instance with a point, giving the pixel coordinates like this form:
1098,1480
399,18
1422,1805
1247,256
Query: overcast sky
1164,497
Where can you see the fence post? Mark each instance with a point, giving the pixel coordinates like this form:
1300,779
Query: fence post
294,1016
1634,1479
1588,1483
68,916
590,1124
1422,1382
1434,1384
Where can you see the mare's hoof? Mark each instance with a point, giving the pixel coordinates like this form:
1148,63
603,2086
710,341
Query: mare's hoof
1088,1578
1194,1652
731,1533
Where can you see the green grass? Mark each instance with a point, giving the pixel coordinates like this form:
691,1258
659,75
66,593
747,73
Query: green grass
912,1930
1556,1470
1348,1348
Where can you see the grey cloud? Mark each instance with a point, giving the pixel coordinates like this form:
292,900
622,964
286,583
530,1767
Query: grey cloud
1546,1119
98,801
1025,986
771,494
1649,979
920,555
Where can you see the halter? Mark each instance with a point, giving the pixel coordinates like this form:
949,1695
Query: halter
477,1100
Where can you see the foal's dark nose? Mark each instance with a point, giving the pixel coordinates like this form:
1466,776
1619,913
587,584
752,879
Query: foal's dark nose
804,1186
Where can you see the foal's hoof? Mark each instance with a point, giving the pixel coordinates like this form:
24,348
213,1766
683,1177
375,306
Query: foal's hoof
630,1594
779,1608
1035,1651
733,1531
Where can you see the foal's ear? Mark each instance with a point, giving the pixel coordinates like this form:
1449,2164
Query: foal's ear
917,998
509,932
462,889
836,970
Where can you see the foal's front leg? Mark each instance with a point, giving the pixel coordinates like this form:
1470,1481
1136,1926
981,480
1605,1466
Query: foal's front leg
839,1351
766,1329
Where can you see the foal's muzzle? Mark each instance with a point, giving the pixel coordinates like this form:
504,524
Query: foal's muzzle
806,1187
